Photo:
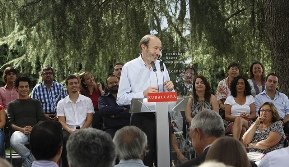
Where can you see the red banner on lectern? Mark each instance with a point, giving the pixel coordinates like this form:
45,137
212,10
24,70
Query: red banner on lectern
162,97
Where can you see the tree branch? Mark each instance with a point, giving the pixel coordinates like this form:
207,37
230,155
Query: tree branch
236,13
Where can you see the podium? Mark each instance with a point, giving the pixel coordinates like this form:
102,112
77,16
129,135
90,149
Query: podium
161,104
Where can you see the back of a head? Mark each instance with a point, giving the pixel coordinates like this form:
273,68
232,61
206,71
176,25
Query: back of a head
210,122
46,140
90,147
130,143
229,151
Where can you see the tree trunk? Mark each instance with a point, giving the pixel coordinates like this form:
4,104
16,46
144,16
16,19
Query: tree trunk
277,32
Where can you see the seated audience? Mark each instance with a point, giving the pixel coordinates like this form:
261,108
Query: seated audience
201,99
223,89
92,90
239,107
90,147
130,143
117,69
266,133
74,112
8,92
229,151
23,114
114,116
206,127
49,92
257,78
275,158
46,141
271,94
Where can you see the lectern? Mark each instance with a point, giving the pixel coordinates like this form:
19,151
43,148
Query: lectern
161,103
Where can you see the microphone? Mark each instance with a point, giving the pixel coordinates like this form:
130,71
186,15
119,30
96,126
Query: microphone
153,66
162,65
162,70
155,70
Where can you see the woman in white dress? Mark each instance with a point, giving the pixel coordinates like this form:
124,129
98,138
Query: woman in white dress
239,107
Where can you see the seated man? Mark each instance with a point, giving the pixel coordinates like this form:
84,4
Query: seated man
130,143
46,143
271,94
74,112
90,147
206,127
275,158
114,116
23,114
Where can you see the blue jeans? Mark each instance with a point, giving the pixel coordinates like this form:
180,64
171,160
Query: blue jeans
2,149
17,142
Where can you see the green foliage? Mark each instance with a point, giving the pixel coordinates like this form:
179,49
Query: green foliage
78,35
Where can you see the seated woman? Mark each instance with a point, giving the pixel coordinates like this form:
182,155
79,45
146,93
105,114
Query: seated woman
266,133
201,99
257,78
92,90
223,89
239,107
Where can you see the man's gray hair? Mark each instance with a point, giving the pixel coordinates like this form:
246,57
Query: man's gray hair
209,122
90,147
130,143
145,40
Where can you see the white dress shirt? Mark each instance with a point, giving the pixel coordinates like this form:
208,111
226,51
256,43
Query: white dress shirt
136,77
75,113
276,158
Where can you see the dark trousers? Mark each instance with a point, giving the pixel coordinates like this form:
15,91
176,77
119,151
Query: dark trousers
97,121
147,123
64,151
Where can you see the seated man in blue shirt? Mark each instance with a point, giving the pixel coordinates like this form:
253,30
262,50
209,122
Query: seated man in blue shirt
114,116
271,94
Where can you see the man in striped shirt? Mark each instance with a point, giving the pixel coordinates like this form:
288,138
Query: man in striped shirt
48,92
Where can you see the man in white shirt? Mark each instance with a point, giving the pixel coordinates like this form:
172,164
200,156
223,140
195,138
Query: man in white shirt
140,76
74,112
275,158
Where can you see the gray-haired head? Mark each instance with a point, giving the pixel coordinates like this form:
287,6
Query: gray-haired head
130,143
145,40
90,147
209,122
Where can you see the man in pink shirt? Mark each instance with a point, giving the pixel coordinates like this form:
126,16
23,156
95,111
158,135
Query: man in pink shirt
8,92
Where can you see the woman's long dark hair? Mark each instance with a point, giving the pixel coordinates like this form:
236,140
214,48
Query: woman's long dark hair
233,87
207,90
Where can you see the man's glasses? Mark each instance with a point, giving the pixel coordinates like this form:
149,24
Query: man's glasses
117,69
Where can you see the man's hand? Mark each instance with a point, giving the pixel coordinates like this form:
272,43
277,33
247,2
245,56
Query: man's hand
169,85
150,90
